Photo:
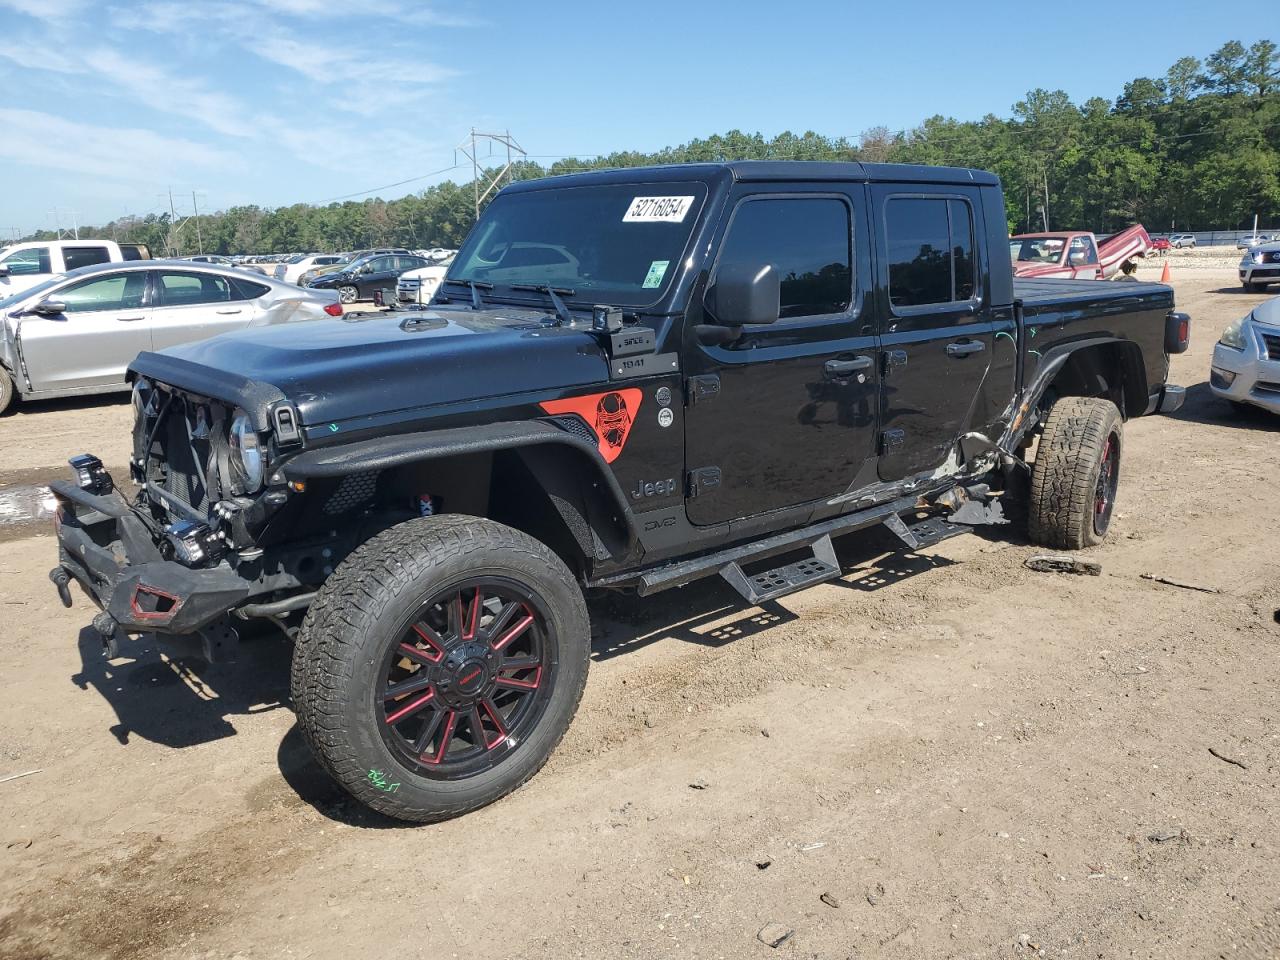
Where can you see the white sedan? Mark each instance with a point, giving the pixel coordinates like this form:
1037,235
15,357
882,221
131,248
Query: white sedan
77,332
294,267
1246,360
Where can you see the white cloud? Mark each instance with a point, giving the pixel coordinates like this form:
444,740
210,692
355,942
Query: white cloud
33,56
51,11
117,153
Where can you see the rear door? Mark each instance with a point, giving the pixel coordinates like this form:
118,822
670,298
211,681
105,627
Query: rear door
786,413
936,328
104,327
192,305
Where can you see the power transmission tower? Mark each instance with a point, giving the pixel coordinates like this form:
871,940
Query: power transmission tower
469,149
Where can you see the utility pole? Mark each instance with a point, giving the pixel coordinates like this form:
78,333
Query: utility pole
173,216
469,148
195,212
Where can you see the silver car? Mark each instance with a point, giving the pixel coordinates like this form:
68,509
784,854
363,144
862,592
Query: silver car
1246,360
1260,266
77,332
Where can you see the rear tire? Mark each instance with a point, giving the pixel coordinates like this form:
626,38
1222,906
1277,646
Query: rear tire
7,391
1076,474
424,607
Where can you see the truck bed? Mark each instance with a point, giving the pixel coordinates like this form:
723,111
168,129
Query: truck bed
1040,296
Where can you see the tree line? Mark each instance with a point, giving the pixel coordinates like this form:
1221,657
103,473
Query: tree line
1195,149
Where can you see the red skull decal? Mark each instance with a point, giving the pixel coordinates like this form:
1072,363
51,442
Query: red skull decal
610,415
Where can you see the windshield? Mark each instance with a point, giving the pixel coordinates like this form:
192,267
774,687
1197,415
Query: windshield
35,291
1037,249
616,243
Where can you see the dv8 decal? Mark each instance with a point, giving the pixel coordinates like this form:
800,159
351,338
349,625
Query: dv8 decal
609,414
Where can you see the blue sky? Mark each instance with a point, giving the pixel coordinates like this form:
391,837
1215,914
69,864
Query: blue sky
105,105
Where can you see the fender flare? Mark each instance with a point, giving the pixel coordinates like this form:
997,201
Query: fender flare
1051,365
384,453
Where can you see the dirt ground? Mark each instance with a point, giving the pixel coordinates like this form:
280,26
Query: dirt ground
942,755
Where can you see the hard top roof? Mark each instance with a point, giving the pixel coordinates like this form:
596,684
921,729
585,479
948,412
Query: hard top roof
768,170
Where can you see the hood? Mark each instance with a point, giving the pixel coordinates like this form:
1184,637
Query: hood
1268,311
371,364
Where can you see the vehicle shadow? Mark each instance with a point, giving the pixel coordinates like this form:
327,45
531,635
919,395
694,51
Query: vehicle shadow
32,408
1239,289
181,701
1201,406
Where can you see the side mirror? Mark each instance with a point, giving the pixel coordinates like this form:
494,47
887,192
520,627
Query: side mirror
744,294
4,271
49,308
367,268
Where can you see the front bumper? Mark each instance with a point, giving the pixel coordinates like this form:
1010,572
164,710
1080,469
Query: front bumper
1260,273
108,549
1248,375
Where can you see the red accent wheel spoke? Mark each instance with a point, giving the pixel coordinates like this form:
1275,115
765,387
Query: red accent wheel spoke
528,683
515,631
412,707
496,717
445,738
413,684
428,637
504,618
457,618
428,733
473,615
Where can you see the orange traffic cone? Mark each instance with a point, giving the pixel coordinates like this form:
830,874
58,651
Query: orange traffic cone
1164,277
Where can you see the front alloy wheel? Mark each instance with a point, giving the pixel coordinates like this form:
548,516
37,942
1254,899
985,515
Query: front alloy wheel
465,683
348,293
440,664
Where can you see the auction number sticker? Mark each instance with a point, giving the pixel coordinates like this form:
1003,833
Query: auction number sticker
658,210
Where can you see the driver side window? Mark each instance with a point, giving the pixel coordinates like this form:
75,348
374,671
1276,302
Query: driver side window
119,291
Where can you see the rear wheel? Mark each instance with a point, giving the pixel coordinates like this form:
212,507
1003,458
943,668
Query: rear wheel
440,665
1076,474
7,391
348,294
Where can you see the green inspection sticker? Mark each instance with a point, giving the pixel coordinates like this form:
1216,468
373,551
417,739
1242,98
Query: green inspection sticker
657,270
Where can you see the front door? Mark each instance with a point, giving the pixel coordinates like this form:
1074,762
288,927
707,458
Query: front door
786,413
104,327
937,329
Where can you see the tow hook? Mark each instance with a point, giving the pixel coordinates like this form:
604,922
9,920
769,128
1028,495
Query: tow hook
61,581
111,634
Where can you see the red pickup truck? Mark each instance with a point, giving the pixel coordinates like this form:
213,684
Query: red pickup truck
1076,254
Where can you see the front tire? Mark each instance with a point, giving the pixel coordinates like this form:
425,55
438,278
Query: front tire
1076,474
440,665
7,391
348,294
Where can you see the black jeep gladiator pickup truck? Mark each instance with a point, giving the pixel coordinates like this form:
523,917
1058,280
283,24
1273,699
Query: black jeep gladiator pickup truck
628,380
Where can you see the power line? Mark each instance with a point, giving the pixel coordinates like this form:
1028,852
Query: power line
385,186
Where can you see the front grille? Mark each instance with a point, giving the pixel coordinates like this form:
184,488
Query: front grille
1272,342
181,466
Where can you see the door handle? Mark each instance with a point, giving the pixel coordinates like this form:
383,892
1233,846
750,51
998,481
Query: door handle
237,310
962,348
847,368
131,319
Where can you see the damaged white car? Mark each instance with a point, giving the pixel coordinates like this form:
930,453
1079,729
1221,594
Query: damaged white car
77,332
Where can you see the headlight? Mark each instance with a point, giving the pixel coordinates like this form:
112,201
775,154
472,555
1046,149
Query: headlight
1259,256
1233,336
248,461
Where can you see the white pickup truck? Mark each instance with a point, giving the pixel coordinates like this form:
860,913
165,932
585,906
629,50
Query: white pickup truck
23,265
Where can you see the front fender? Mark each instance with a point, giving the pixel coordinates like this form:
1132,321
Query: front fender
377,454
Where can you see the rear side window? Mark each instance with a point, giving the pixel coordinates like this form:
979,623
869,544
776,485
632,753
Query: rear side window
186,289
808,241
930,251
27,262
248,290
84,256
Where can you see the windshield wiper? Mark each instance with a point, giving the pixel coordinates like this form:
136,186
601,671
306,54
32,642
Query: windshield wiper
476,286
562,312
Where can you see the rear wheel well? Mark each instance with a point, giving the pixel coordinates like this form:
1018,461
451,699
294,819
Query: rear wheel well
1111,371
